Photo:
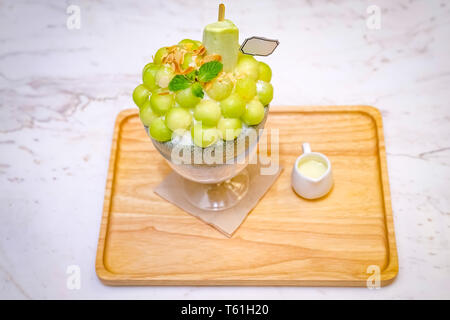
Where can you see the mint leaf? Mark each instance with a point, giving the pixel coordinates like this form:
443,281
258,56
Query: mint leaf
179,82
197,90
209,71
191,75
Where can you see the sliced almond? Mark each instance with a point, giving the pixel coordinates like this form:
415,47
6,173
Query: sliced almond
211,57
178,56
178,68
188,70
168,58
200,51
172,48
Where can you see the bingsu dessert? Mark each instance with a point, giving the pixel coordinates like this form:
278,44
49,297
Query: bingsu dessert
205,97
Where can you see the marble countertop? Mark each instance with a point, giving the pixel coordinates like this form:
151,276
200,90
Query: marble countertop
61,89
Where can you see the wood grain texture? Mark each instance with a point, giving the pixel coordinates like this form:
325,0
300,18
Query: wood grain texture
285,240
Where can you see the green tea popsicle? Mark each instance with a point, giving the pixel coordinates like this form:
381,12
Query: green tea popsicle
222,37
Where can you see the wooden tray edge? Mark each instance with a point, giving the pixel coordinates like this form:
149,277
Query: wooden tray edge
388,273
101,270
113,280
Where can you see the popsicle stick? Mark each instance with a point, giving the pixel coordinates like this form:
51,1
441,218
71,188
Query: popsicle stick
221,12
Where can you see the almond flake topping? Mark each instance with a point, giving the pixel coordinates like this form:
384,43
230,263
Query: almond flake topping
211,57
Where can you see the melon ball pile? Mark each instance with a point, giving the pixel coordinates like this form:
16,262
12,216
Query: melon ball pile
186,91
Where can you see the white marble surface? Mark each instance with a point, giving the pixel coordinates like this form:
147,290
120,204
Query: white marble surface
60,91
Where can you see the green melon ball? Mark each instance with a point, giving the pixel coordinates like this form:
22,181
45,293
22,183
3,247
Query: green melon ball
186,98
189,42
229,128
159,131
161,103
159,55
163,76
204,136
248,66
265,73
254,113
233,106
220,89
149,76
208,112
178,119
264,91
146,113
140,95
246,88
186,60
148,65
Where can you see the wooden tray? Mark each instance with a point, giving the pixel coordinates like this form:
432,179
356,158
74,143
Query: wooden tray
285,240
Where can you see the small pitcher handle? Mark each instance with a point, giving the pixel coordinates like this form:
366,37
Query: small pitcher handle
306,147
